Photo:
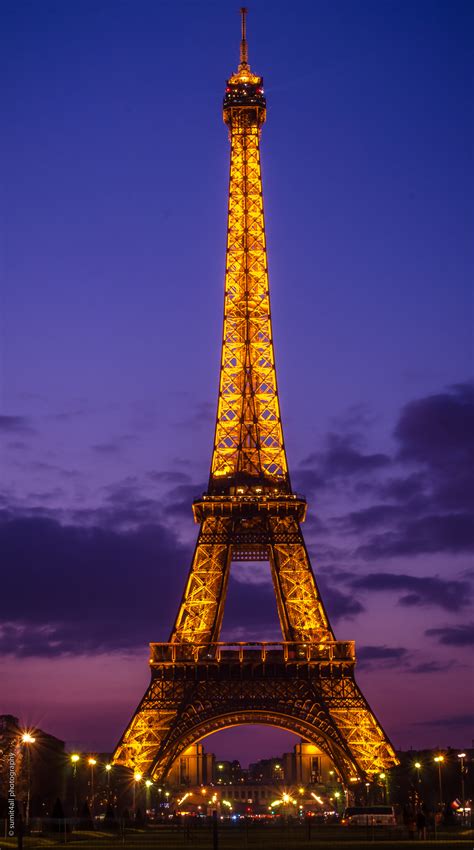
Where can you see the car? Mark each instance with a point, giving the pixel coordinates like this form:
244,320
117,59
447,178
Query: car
369,816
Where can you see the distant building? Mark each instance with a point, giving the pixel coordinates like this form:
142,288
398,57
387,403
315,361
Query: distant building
193,767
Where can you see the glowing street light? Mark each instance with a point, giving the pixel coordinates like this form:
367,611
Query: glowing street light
27,740
74,757
91,761
137,777
439,761
108,770
462,756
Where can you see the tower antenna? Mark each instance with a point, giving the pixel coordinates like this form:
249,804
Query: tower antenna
244,55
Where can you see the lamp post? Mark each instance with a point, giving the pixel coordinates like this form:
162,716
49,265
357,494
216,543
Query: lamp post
383,777
137,777
439,761
462,756
27,740
74,760
148,784
92,763
108,769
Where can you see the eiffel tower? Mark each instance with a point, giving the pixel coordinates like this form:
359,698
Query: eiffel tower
304,683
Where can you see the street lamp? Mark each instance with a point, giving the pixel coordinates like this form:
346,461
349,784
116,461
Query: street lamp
74,760
439,761
108,768
148,784
137,777
462,756
92,762
28,739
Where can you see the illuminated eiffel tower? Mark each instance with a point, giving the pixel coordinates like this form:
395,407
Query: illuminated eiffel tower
305,683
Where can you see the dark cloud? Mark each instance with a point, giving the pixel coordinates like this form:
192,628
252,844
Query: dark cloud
456,721
438,427
169,477
367,518
339,605
427,667
452,595
437,432
107,448
16,425
18,446
381,653
377,657
87,589
342,456
179,500
453,533
454,635
425,510
114,447
403,490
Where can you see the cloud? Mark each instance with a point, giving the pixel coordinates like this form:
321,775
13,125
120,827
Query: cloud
427,667
453,533
339,605
423,500
452,595
16,425
107,448
369,653
454,635
342,457
87,589
437,432
114,447
179,500
438,427
456,721
403,490
381,653
169,476
375,515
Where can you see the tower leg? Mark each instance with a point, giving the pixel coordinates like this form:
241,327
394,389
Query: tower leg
302,614
202,606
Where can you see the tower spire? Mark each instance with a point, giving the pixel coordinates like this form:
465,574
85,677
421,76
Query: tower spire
244,55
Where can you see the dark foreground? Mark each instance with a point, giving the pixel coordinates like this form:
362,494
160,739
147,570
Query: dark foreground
244,836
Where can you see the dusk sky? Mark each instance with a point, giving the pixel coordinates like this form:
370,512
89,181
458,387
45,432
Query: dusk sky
114,176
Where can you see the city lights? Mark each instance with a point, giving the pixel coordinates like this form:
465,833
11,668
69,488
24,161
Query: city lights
75,758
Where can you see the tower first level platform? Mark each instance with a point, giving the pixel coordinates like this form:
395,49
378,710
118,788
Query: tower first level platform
308,689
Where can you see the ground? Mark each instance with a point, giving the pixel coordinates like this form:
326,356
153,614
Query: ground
245,836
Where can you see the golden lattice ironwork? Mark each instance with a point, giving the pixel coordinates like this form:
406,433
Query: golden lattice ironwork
306,683
248,440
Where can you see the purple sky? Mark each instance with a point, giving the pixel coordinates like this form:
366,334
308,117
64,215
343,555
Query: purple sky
114,178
